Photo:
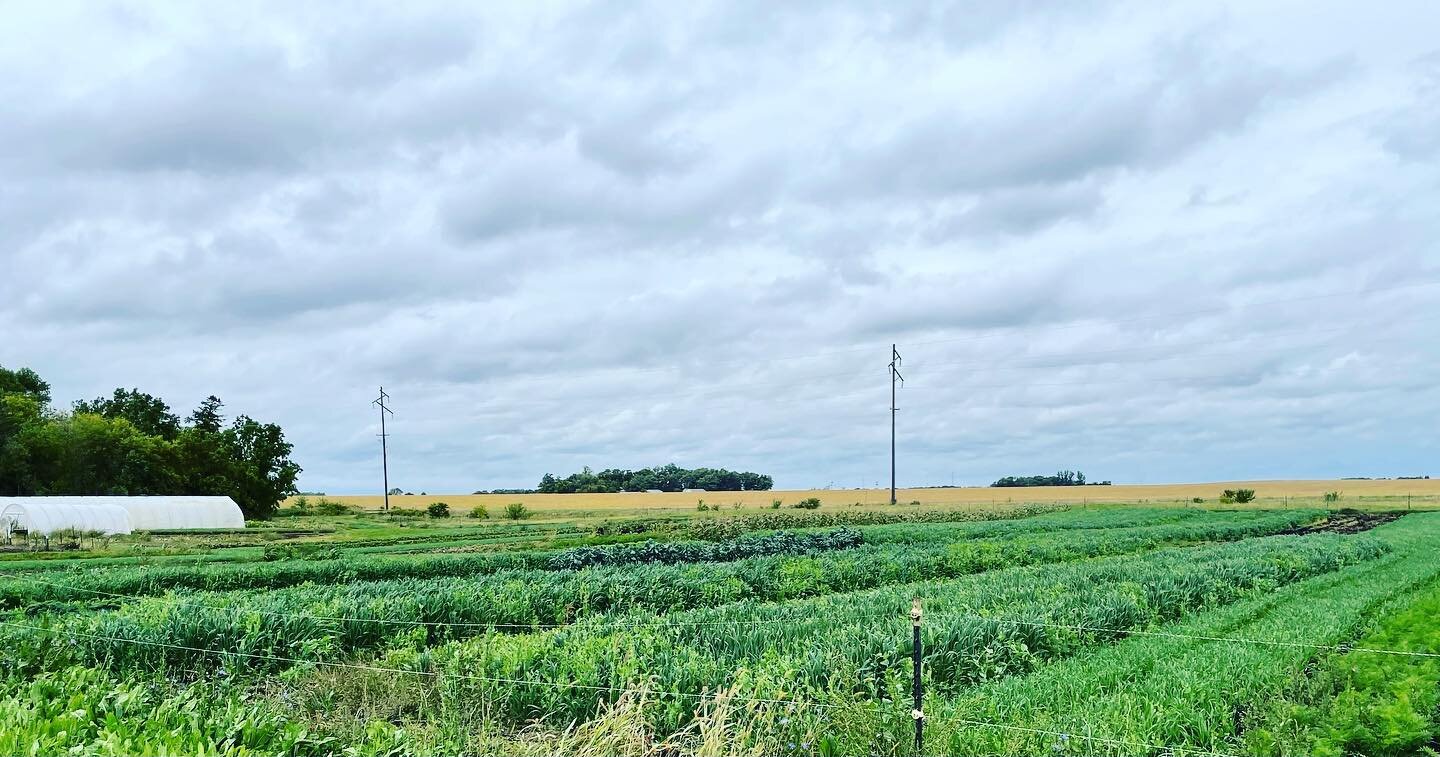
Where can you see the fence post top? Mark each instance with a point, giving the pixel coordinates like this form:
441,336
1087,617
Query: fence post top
915,609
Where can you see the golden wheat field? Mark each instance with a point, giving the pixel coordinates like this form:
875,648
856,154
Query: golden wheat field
1419,493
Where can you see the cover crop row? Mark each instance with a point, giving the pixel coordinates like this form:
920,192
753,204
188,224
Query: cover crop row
135,581
322,622
857,647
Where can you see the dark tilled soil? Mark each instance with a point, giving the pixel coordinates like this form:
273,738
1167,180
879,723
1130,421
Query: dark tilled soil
1344,522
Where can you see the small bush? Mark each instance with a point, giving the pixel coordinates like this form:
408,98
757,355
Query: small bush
330,507
809,503
914,501
517,511
775,504
302,504
406,512
478,512
438,510
1332,496
1197,500
701,506
1232,496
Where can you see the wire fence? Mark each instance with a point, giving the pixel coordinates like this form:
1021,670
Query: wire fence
658,622
689,695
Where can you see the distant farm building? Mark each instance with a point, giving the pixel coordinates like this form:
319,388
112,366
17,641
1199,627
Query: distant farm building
116,515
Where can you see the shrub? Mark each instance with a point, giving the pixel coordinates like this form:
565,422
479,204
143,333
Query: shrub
1197,500
701,506
809,503
517,511
405,512
330,507
479,512
302,503
438,510
1232,496
1332,496
775,504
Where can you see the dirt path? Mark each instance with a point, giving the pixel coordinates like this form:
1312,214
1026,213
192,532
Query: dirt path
1347,522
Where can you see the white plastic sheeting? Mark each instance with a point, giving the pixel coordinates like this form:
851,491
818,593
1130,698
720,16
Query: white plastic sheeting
39,516
153,513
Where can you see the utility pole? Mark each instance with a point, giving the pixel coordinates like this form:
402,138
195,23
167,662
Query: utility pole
894,376
384,451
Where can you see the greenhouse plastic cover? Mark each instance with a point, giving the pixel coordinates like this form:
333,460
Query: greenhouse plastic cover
38,516
148,513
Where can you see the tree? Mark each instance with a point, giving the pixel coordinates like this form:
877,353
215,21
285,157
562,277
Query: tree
207,417
145,412
25,381
262,472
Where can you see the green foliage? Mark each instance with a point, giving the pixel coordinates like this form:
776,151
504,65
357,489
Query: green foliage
732,526
147,413
809,503
1237,496
517,511
479,512
85,711
438,510
1194,696
331,507
1197,500
1332,497
1063,478
700,506
832,646
775,504
670,478
765,569
300,551
132,444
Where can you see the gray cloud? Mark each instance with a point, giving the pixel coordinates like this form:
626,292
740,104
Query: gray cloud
1154,242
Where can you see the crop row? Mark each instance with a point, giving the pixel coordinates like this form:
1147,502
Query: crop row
322,622
856,647
728,527
137,581
1199,694
1058,523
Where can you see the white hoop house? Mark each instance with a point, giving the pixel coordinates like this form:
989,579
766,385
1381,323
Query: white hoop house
35,515
141,513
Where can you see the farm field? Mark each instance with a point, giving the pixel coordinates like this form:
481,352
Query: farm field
1054,629
1375,493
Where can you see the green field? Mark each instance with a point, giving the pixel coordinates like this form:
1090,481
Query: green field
1046,629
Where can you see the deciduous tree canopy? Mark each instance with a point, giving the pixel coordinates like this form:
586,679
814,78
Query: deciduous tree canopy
670,478
1063,478
133,444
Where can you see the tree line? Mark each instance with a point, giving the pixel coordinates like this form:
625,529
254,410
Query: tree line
669,478
1062,478
132,443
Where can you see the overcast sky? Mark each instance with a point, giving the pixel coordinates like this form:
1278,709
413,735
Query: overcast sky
1152,241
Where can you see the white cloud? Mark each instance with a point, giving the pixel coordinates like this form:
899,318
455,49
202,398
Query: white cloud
583,235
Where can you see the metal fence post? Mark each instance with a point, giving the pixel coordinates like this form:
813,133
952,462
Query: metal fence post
918,713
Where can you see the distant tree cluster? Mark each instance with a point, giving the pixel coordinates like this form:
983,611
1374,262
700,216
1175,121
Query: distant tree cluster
130,443
1063,478
669,478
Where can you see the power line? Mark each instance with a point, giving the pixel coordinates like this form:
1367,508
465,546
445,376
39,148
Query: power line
384,450
894,376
